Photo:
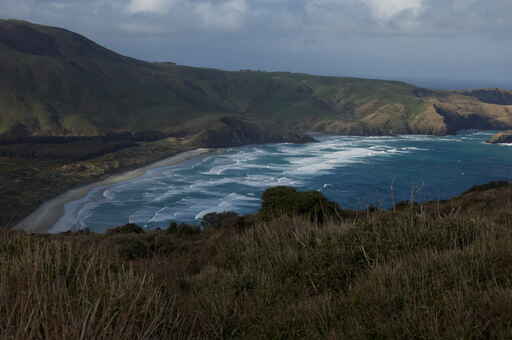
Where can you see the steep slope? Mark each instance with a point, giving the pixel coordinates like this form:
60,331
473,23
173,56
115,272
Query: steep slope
55,82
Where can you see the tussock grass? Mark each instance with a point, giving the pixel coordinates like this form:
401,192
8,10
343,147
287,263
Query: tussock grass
422,271
68,289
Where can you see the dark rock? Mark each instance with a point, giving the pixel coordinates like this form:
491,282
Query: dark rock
501,138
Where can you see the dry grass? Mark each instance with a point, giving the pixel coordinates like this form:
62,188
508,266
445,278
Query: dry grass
64,289
431,272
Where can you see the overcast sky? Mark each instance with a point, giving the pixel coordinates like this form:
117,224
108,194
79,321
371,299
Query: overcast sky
442,43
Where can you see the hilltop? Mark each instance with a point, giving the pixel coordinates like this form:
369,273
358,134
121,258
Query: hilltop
59,83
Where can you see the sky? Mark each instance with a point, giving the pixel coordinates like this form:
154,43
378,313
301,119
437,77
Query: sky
432,43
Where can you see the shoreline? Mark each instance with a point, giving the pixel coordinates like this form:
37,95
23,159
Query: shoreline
45,218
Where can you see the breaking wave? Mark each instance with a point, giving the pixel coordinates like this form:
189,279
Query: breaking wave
355,171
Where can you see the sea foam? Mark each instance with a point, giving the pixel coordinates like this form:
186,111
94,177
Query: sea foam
346,169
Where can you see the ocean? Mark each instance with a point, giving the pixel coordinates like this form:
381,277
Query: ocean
354,171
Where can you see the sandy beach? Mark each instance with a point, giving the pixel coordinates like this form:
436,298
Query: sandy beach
47,215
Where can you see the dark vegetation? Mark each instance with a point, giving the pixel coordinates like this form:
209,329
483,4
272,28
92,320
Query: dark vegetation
143,136
31,173
440,270
287,201
78,151
72,148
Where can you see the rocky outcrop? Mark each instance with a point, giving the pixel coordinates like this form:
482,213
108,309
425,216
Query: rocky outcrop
231,131
461,111
454,121
435,113
501,138
393,120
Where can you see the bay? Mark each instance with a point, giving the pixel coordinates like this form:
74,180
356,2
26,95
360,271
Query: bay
354,171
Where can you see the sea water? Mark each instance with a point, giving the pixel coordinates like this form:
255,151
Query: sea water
354,171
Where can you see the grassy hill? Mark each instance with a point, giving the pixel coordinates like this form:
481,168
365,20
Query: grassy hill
55,82
441,270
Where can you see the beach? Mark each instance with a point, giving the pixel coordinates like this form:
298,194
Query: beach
48,214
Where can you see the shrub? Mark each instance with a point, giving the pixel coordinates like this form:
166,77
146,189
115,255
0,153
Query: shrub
225,219
131,248
130,228
290,202
183,228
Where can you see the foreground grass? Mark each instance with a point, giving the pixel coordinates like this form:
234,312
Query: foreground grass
438,271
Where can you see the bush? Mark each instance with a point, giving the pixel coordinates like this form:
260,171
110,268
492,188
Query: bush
289,202
183,228
225,219
131,248
130,228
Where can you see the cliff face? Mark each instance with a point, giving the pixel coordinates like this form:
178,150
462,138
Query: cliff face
462,111
392,119
230,131
58,83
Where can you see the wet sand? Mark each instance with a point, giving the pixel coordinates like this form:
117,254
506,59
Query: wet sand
47,215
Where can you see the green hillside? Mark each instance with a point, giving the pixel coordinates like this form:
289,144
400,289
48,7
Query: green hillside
55,82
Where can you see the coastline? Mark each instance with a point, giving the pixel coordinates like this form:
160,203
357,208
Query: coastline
49,213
